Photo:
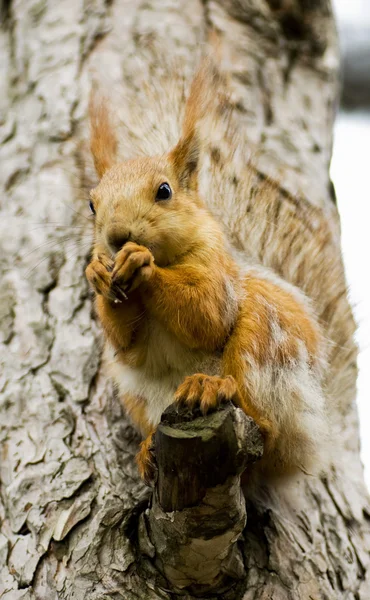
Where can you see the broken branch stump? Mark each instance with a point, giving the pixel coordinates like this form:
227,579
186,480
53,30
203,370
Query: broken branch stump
198,508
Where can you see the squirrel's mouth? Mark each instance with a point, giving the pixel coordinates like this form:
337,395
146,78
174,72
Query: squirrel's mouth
163,258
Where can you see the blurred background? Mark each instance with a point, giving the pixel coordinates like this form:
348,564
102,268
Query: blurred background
349,171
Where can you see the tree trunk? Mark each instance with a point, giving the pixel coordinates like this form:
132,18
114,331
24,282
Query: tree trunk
70,491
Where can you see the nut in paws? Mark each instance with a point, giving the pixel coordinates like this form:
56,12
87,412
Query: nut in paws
133,266
99,275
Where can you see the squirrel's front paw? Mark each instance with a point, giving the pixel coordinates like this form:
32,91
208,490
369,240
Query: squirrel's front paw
99,275
146,462
207,391
133,266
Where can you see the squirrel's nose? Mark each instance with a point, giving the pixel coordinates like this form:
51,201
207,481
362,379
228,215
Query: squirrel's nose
117,240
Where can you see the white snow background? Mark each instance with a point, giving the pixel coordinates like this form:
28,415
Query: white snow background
349,171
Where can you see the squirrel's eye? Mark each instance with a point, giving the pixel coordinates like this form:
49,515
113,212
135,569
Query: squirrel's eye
164,192
91,205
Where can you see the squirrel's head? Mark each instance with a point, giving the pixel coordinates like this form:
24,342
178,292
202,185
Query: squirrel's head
152,201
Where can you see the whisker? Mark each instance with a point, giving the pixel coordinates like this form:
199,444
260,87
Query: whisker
56,226
75,252
137,318
77,212
30,271
50,243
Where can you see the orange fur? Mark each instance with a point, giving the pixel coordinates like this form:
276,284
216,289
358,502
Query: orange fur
175,277
119,321
208,391
136,409
263,301
188,298
103,142
185,155
144,459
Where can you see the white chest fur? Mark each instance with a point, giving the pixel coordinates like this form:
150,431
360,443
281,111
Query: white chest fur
167,363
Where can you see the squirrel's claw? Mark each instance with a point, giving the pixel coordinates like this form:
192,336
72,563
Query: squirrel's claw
207,392
118,294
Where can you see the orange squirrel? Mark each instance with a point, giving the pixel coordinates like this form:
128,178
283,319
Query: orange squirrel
184,318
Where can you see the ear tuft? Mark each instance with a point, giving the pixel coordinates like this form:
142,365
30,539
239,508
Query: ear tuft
185,159
203,93
103,142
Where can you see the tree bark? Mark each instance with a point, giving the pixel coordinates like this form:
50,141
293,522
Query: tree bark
198,508
71,497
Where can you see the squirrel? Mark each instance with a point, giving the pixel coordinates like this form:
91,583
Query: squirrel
185,318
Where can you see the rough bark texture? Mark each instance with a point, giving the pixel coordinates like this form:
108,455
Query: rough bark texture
198,512
69,484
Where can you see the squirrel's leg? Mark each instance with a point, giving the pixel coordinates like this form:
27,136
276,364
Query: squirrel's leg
198,304
119,320
118,314
145,459
135,407
275,354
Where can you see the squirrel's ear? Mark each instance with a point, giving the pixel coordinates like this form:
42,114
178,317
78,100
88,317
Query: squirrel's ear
185,159
203,91
103,141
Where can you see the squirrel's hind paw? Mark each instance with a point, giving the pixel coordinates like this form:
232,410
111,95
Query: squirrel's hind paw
146,461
